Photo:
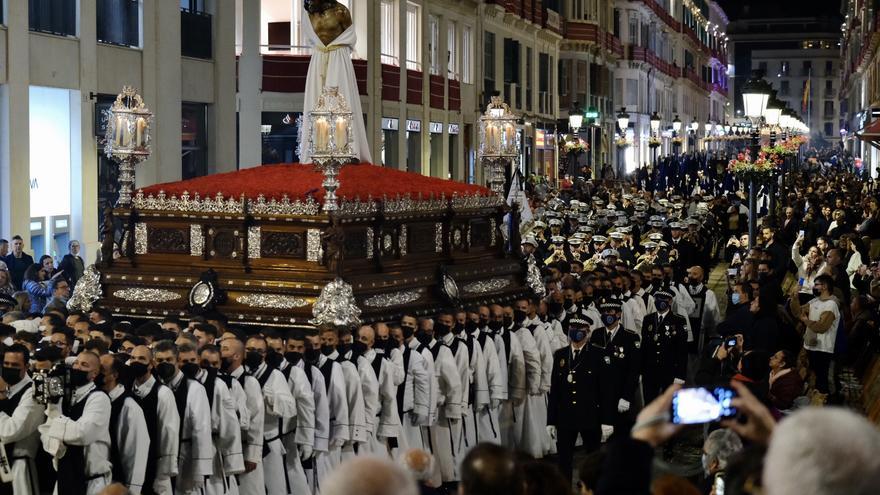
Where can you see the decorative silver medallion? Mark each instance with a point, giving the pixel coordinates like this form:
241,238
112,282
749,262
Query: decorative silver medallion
271,301
141,294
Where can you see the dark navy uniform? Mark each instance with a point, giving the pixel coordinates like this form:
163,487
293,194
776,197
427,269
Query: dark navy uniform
573,405
664,353
619,373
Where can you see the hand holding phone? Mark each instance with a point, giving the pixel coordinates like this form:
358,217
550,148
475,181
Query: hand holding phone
697,405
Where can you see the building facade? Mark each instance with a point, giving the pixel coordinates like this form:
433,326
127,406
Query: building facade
860,81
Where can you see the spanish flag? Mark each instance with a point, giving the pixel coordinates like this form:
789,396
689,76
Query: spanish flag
805,103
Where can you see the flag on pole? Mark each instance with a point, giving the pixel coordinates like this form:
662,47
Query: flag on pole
805,103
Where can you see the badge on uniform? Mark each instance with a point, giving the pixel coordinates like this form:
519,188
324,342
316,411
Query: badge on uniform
656,337
571,377
607,359
562,363
638,344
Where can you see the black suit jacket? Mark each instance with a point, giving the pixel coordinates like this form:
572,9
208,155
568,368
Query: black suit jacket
575,404
664,347
619,370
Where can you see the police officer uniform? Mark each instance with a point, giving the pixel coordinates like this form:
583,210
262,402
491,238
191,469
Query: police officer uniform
664,347
573,404
620,351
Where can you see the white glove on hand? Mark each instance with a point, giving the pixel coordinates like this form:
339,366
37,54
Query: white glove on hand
337,443
551,430
622,406
495,403
607,431
417,420
305,452
678,381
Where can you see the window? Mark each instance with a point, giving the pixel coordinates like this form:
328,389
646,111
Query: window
529,78
52,16
784,88
512,60
451,52
762,66
467,48
414,41
784,68
194,137
829,129
807,68
434,44
195,31
829,68
563,77
118,22
829,109
488,65
388,32
193,5
632,92
633,29
617,23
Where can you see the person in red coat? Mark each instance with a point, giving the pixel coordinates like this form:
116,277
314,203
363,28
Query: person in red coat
785,382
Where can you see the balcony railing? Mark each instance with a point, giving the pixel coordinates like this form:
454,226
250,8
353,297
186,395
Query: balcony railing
196,35
118,22
52,16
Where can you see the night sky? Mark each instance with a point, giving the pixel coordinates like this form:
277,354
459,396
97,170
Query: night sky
738,9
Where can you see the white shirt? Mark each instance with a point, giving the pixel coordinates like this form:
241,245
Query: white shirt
822,342
168,428
196,446
252,436
90,431
132,440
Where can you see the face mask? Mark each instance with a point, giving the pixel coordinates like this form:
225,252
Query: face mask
11,375
99,381
423,338
693,282
190,370
568,302
274,358
358,348
293,357
459,327
507,320
327,350
519,316
817,292
407,331
343,349
661,305
205,364
138,369
441,330
603,293
483,322
554,308
577,334
253,360
166,371
225,364
734,298
312,355
762,278
78,378
470,326
495,325
609,319
115,345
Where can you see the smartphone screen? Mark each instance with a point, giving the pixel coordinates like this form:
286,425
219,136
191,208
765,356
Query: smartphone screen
698,405
731,272
801,281
731,342
800,233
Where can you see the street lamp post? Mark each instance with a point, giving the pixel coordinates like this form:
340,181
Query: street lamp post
575,121
655,127
773,113
756,93
592,118
623,124
676,127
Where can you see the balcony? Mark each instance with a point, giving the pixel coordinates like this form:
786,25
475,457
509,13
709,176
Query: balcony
56,17
196,38
118,22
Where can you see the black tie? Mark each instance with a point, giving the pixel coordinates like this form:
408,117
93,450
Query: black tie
576,354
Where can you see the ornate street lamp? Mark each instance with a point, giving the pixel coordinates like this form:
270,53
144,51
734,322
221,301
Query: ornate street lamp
756,94
575,118
655,122
331,141
623,120
676,124
498,141
127,138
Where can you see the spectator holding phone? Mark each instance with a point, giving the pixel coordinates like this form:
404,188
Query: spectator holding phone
821,317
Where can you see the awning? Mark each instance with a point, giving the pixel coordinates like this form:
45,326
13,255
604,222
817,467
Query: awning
871,133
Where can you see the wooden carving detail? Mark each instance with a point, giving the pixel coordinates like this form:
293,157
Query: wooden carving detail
421,238
223,243
333,245
356,243
283,245
480,233
167,240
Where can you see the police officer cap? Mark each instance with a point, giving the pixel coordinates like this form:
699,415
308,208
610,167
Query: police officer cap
555,222
610,304
585,228
575,241
676,226
530,239
610,253
599,239
539,225
656,236
557,239
650,245
663,294
616,236
579,322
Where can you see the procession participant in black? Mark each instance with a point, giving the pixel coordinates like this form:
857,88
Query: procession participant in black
573,404
664,347
621,362
20,416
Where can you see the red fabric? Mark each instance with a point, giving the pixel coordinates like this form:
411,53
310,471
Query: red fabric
296,181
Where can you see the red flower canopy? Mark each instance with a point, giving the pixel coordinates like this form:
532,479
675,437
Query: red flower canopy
297,181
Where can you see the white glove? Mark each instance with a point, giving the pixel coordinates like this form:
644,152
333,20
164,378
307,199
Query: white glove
305,452
417,420
495,403
607,431
337,443
622,406
678,381
551,430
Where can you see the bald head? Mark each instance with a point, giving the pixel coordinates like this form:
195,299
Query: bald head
371,476
696,274
419,462
367,336
488,468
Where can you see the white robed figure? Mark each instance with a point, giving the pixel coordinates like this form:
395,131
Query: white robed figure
331,66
